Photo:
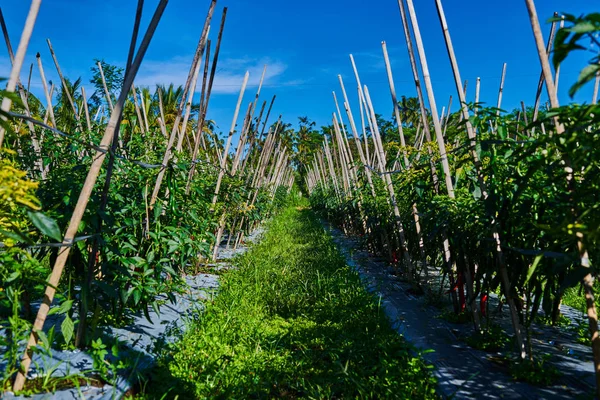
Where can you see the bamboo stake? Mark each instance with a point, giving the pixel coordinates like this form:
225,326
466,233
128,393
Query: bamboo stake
471,134
194,82
372,122
501,89
199,138
445,123
424,119
226,150
588,280
82,202
248,159
50,108
361,153
24,99
390,187
144,111
431,97
419,42
477,87
18,59
87,111
204,109
242,141
64,84
364,129
106,92
332,173
540,86
557,74
47,112
395,101
138,111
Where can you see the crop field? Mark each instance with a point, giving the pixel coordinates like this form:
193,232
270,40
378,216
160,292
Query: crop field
148,250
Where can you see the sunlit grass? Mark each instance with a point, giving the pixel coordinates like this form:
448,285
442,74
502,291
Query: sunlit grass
293,321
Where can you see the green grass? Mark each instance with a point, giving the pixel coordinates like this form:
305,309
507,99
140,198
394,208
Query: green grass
295,322
575,297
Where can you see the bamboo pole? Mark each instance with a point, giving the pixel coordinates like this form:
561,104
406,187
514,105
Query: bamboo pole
332,173
501,89
406,24
369,119
64,83
192,91
204,109
248,159
540,87
47,112
231,131
50,108
138,111
388,67
557,73
24,99
106,92
18,59
481,180
242,141
477,88
445,123
388,181
86,109
417,81
361,152
431,97
364,129
199,137
588,280
82,202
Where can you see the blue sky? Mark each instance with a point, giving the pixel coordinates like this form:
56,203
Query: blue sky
305,44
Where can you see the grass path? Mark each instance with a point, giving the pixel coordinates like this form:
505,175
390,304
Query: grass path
295,322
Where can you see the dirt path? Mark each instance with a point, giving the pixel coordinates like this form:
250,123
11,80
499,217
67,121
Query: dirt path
461,370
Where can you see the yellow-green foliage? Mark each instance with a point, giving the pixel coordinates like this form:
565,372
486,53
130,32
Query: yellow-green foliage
17,195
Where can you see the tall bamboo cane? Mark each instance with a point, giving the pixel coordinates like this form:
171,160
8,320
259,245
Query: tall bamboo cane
18,59
228,145
388,67
49,108
588,280
24,99
64,83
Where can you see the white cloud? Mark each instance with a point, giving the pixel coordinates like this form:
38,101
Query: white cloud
228,78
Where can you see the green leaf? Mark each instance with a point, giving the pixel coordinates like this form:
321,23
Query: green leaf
137,295
532,268
67,328
583,27
45,224
65,307
16,235
13,276
43,338
586,75
156,308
